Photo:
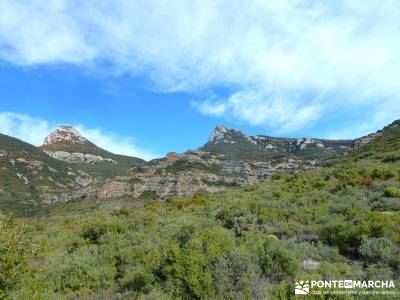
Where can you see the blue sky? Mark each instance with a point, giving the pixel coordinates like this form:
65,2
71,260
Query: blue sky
147,77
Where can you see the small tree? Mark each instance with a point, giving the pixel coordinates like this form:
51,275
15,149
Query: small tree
15,254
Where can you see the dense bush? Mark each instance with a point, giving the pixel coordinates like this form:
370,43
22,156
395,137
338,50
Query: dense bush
276,262
86,268
16,254
242,244
377,250
392,192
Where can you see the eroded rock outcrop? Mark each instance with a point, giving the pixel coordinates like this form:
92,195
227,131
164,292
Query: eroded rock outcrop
67,144
65,134
197,170
77,157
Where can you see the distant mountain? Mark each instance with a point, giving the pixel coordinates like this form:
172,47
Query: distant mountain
67,144
236,143
229,159
30,178
68,166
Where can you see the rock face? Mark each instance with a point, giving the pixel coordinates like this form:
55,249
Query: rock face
229,159
119,186
61,170
76,157
192,171
65,134
221,134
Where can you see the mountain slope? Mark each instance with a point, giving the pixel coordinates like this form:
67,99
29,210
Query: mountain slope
383,145
250,243
66,167
32,177
29,177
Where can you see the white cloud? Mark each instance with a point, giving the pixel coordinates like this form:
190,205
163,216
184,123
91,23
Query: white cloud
210,107
382,116
273,50
24,127
34,130
115,143
257,109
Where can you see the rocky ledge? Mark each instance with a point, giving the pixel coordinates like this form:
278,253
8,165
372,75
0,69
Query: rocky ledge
77,157
186,173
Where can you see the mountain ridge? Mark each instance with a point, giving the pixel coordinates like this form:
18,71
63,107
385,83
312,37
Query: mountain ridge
233,141
37,176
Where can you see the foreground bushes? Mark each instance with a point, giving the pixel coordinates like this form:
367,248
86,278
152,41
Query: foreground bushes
248,244
16,254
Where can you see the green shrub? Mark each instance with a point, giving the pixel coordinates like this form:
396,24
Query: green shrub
276,262
241,244
87,268
16,251
138,280
239,220
189,271
391,157
121,212
234,274
93,232
376,250
185,234
346,236
392,192
383,225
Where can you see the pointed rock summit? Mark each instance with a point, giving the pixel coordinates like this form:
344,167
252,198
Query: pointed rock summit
222,134
65,134
67,144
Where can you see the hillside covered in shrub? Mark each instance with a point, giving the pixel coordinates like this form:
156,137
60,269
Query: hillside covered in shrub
337,222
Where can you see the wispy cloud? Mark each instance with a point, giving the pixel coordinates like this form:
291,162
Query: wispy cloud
380,116
211,107
24,127
115,143
287,54
276,111
34,130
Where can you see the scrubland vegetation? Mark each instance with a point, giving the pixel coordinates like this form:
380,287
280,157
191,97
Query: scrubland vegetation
338,222
244,244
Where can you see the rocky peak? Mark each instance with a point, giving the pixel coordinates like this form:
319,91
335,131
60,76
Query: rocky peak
222,134
67,144
65,134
